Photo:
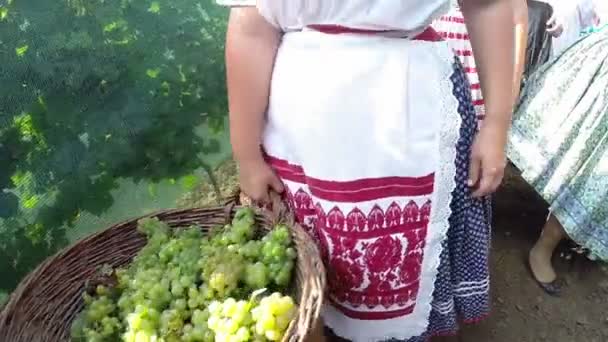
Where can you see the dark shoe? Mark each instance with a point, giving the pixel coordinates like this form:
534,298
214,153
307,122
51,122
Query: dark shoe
553,288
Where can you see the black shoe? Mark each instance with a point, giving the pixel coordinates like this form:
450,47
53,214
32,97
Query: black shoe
553,288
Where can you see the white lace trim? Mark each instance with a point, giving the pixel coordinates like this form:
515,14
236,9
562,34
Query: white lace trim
445,183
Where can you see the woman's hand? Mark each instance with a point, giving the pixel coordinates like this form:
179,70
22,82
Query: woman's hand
257,179
488,159
554,27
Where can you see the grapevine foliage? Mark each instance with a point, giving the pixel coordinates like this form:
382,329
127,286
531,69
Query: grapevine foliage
94,91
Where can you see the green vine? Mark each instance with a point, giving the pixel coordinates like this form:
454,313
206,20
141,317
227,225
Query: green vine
96,91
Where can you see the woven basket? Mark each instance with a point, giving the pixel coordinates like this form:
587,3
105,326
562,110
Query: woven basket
46,302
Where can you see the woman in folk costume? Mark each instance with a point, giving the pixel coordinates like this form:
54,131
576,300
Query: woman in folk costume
560,143
453,29
569,19
363,116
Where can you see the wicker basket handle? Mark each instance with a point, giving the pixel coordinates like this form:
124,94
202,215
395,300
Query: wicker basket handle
279,209
276,207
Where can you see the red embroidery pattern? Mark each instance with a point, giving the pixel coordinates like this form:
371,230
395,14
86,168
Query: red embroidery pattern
373,253
374,258
453,19
455,32
360,190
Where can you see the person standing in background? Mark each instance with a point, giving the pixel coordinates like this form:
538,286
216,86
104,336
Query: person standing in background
569,19
453,29
559,142
540,41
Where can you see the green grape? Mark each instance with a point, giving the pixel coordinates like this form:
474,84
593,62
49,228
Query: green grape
246,215
201,333
256,276
206,293
152,226
179,304
267,248
242,231
251,249
283,277
171,321
193,303
272,316
190,233
87,298
230,320
177,290
186,336
193,292
277,252
98,322
222,273
243,334
200,317
102,290
282,322
274,269
291,253
281,234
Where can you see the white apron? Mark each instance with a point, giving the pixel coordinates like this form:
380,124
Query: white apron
350,108
362,130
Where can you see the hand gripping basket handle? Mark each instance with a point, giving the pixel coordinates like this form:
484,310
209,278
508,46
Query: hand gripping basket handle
277,208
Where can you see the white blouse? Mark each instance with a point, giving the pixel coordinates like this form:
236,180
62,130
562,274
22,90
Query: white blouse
402,15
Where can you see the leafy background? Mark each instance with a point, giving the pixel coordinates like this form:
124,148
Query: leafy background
108,109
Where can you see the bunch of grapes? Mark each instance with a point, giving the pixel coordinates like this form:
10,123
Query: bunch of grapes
278,255
230,320
100,321
172,290
249,320
273,315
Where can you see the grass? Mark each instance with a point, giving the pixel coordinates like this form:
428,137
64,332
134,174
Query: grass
221,183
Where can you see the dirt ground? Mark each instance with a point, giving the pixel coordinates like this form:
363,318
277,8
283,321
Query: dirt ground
521,311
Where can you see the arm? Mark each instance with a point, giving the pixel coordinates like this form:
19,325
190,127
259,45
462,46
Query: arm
520,14
251,47
490,25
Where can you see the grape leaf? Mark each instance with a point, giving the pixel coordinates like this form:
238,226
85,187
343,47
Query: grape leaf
9,204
